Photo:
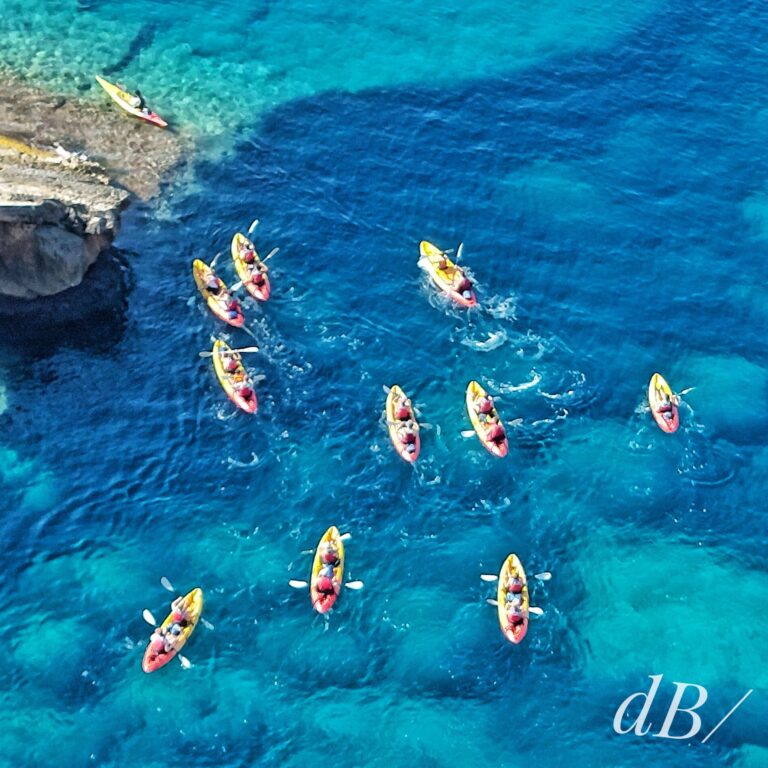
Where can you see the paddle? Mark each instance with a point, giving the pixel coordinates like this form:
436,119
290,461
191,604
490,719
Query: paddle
532,609
254,224
270,255
543,576
459,251
215,258
150,619
207,353
298,584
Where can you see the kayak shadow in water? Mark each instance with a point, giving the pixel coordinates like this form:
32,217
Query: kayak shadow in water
91,315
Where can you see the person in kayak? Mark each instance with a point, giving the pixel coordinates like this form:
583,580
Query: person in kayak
139,102
496,433
330,555
212,283
667,406
245,391
514,587
326,585
403,410
229,362
230,304
515,614
157,641
407,434
484,407
462,284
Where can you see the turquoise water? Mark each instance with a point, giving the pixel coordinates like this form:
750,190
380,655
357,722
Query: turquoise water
605,171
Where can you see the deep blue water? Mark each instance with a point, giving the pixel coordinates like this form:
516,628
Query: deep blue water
614,213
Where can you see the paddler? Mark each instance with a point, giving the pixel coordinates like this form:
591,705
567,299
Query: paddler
484,407
245,390
462,284
408,436
514,587
229,362
515,614
666,408
496,433
330,554
230,304
403,410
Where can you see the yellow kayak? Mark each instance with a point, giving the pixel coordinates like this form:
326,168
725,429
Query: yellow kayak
127,101
254,275
232,381
445,277
512,568
193,607
666,414
323,602
396,398
484,428
217,301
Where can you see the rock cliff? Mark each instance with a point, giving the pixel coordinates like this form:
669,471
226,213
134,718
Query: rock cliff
60,207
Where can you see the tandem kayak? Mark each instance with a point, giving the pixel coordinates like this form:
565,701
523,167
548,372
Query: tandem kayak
247,272
231,382
657,389
444,278
512,568
193,606
321,602
216,301
476,393
396,399
126,101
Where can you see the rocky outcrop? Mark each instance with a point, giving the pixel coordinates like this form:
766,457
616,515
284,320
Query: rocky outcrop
57,215
59,207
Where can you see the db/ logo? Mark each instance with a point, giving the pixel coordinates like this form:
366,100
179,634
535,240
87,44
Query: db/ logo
664,733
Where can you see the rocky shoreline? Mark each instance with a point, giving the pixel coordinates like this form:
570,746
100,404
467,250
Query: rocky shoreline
68,168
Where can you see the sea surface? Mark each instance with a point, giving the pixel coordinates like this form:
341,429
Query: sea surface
605,166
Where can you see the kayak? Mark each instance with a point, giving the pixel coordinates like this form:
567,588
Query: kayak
201,271
475,393
193,605
125,100
395,398
323,603
229,381
656,388
443,278
512,568
246,272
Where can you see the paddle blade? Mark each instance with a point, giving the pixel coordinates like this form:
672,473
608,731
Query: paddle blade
515,422
491,601
488,576
468,433
354,585
345,536
236,286
215,259
423,263
543,576
297,584
185,662
207,624
206,353
270,255
459,251
254,224
386,389
535,610
686,391
246,349
149,618
167,584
